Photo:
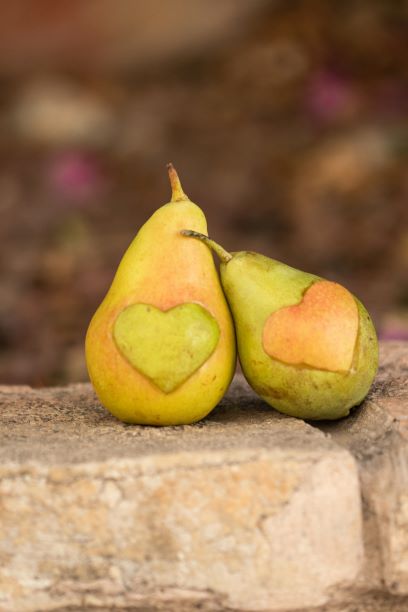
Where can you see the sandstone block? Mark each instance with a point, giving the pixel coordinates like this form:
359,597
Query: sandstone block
248,510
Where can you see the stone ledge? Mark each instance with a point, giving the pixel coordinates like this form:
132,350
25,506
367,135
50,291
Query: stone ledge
247,510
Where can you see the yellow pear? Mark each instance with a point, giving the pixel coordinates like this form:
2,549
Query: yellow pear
160,349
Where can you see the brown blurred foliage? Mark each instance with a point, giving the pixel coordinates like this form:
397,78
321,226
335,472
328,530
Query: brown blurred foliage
287,122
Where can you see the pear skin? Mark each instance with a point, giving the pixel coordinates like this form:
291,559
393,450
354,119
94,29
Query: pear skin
160,349
307,346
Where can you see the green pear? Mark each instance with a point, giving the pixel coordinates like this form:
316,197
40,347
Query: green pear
160,349
306,345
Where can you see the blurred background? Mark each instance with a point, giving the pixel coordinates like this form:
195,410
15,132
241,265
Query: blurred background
287,122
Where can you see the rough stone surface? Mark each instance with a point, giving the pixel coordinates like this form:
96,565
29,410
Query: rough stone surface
248,510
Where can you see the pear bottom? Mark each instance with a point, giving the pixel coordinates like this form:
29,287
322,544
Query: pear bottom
314,394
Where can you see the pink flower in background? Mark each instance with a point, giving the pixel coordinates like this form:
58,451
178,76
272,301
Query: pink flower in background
394,332
394,326
330,96
75,176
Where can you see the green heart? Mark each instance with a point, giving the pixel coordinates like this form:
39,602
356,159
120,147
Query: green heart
166,347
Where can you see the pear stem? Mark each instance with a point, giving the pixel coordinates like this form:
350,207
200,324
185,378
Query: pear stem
222,253
177,192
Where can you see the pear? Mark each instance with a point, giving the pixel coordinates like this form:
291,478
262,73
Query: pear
160,349
306,345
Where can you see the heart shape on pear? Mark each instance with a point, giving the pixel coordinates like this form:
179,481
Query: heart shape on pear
166,346
320,332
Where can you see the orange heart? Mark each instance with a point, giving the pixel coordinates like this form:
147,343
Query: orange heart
319,332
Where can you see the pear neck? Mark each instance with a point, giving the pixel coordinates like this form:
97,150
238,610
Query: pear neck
224,256
177,193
